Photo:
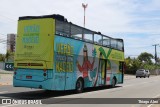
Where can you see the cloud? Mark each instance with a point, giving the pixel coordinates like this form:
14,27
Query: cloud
136,21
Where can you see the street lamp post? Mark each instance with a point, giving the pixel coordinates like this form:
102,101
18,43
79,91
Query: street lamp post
155,45
84,6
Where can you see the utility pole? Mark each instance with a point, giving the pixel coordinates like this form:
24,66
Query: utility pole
155,45
84,6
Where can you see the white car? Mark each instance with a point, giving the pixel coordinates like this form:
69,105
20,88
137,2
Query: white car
142,73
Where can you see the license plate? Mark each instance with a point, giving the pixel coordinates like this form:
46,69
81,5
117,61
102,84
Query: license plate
29,77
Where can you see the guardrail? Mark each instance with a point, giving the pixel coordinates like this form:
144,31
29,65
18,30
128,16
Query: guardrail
155,72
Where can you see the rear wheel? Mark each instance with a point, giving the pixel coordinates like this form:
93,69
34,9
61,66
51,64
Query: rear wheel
79,85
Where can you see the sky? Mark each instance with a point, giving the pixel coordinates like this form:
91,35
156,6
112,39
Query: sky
135,21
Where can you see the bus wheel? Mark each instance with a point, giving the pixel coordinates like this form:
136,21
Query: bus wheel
113,82
79,85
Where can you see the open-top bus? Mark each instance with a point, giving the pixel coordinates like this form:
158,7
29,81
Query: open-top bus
54,54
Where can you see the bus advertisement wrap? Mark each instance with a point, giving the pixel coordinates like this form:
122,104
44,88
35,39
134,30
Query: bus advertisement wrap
35,42
78,59
52,54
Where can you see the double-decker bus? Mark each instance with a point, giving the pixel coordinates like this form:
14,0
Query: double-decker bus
54,54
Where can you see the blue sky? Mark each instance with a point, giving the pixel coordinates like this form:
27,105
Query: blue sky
136,21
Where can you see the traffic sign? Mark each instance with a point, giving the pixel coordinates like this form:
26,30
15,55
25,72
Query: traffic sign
9,66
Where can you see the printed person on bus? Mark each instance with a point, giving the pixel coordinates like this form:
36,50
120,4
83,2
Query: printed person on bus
86,67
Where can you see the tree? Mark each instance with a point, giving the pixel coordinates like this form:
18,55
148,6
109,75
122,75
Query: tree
9,56
2,57
132,65
146,57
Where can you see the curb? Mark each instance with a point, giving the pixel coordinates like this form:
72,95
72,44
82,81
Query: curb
7,83
6,72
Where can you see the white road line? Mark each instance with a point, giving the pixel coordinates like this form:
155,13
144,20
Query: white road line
140,83
128,85
10,105
156,96
135,84
153,97
150,105
3,92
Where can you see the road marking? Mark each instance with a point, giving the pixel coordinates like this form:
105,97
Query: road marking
150,105
156,96
3,91
140,83
10,105
135,84
127,85
153,97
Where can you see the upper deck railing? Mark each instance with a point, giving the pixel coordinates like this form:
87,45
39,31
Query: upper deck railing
68,29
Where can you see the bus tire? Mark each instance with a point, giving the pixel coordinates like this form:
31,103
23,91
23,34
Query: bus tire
113,82
79,85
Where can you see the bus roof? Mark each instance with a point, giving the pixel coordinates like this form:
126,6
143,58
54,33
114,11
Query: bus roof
61,18
54,16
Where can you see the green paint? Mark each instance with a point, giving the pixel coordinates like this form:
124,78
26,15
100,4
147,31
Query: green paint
109,52
103,52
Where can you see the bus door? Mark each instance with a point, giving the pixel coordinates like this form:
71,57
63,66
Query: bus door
102,72
121,69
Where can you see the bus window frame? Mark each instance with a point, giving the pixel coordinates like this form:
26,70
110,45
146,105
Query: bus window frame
93,37
109,46
90,33
99,41
62,32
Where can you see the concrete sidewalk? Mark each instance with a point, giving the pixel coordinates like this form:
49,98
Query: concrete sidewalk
6,72
6,79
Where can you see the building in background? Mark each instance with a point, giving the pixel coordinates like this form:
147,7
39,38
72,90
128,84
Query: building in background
11,40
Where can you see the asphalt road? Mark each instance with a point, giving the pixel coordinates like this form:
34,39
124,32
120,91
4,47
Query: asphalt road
132,88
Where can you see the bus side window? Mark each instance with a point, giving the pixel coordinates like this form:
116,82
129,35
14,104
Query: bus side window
98,39
120,45
76,32
106,41
62,28
114,43
88,36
